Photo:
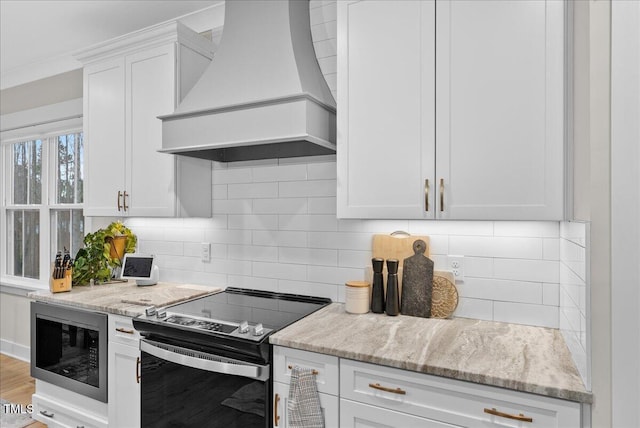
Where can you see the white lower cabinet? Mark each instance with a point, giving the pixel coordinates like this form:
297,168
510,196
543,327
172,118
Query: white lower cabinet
446,402
124,380
328,404
357,394
60,408
353,414
326,372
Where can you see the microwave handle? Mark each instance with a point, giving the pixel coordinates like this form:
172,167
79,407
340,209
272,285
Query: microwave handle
203,361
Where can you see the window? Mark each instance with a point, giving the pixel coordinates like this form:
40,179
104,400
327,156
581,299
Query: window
42,204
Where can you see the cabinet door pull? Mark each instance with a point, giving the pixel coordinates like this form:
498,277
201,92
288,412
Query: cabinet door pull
276,418
119,204
47,414
138,370
125,195
519,417
124,330
442,194
426,195
384,388
313,372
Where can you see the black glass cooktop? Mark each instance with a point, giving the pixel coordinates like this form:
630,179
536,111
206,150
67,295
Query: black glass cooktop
235,305
238,313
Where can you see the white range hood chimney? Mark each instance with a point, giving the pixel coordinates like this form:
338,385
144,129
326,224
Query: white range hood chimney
263,96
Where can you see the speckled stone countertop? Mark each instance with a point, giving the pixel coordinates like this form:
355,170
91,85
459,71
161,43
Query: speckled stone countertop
124,298
513,356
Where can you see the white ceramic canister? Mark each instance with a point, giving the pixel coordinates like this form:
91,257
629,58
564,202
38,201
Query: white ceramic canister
357,294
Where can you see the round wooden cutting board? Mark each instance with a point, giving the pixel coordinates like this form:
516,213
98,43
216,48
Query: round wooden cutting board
444,298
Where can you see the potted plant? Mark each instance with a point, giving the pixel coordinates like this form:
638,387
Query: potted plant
103,251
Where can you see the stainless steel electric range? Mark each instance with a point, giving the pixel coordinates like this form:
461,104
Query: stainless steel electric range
207,362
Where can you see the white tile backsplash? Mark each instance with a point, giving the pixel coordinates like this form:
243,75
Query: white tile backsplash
573,294
275,228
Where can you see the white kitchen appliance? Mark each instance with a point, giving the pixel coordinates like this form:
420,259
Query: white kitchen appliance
140,267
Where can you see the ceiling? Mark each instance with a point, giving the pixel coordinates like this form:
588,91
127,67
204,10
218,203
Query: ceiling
37,37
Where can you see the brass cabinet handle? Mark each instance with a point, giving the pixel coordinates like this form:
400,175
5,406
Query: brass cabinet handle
384,388
442,194
124,330
125,195
313,372
138,370
276,418
519,417
47,414
119,204
426,195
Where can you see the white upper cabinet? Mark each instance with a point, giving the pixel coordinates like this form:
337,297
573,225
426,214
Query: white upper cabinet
128,83
499,109
451,110
386,58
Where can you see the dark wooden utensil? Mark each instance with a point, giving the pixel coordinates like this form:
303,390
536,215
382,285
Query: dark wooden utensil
417,283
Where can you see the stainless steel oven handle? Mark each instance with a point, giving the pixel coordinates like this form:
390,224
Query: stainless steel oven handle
204,361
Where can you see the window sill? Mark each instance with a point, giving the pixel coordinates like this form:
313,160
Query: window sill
19,287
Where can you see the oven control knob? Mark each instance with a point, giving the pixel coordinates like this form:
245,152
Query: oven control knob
162,313
244,327
258,330
150,311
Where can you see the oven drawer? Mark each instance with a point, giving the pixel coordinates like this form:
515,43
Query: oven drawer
452,401
121,331
325,365
55,414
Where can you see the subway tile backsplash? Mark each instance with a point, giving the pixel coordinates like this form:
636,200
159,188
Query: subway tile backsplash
574,294
274,228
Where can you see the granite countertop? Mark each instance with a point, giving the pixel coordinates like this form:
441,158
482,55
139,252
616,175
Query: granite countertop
513,356
124,298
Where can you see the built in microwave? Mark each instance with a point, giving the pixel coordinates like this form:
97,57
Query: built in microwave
69,348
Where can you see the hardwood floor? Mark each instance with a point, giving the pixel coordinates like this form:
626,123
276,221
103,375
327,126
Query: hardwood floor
16,385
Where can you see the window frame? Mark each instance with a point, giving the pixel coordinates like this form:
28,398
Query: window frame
44,124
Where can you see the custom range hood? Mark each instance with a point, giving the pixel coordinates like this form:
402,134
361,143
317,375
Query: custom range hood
263,96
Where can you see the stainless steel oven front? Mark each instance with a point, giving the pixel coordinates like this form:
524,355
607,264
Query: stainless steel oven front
69,348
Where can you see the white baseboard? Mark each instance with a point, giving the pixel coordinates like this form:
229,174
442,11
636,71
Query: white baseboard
15,350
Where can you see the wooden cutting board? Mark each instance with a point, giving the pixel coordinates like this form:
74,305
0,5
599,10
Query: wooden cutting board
397,246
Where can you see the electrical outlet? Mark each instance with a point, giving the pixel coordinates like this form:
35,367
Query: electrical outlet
456,264
206,252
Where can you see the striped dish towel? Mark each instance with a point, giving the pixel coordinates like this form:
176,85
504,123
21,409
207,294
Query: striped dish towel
303,407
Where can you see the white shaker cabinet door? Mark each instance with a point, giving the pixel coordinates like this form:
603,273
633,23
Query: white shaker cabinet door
499,109
358,415
124,385
150,91
328,405
386,109
104,136
123,373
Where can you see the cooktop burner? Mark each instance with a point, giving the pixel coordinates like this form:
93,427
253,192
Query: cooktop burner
249,315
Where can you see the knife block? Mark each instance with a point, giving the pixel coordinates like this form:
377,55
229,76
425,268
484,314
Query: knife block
62,284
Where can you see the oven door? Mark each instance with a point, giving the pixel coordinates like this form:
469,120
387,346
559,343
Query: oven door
181,387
